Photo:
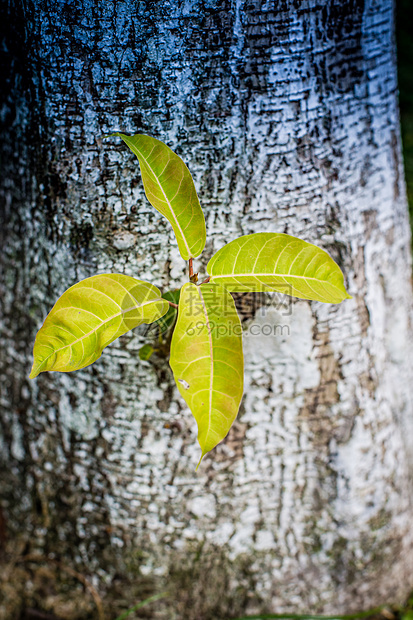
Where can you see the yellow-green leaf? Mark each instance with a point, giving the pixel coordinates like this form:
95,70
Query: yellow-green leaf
170,189
207,359
278,262
89,316
145,352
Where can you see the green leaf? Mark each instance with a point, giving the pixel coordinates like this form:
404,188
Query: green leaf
145,352
89,316
170,189
166,322
207,359
278,262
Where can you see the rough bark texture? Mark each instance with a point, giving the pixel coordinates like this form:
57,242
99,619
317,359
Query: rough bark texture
286,114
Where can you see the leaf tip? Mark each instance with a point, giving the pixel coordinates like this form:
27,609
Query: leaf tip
111,135
200,460
34,372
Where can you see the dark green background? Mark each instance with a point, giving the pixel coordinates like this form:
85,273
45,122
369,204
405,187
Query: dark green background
404,23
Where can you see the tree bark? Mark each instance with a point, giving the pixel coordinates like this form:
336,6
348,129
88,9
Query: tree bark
286,114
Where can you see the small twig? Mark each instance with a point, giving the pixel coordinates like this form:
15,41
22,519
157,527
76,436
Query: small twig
70,571
205,281
193,277
171,303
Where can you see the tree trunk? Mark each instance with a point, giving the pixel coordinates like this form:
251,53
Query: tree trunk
286,114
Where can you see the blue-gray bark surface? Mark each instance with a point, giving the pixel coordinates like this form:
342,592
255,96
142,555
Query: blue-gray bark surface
286,115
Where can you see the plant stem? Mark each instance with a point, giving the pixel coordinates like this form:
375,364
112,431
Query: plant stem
171,303
193,277
206,280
